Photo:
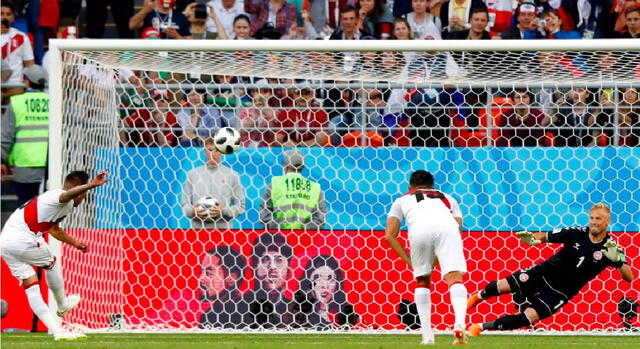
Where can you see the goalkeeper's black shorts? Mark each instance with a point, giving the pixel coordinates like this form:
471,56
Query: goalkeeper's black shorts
531,290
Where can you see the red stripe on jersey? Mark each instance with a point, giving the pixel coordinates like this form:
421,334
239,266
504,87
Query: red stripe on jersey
31,217
446,202
409,193
16,42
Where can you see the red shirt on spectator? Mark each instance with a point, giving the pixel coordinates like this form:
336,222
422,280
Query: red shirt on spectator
308,122
520,132
260,11
146,133
49,14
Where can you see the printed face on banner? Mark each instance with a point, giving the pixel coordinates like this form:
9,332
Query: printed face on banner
272,271
212,280
325,284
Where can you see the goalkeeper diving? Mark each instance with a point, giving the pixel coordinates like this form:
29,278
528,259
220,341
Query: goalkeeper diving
543,289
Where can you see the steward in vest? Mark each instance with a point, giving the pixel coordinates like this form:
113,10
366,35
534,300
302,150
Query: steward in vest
25,136
292,201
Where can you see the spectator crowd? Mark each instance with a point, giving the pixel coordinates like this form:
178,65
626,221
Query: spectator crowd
281,112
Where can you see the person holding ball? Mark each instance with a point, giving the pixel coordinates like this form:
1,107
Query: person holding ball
216,181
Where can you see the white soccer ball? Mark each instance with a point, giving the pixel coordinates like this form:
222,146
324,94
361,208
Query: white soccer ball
227,140
207,202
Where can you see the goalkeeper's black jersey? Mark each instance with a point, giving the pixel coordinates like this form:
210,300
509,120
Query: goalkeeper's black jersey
579,260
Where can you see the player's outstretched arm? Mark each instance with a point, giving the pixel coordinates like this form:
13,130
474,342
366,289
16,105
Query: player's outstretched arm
626,273
391,235
78,190
532,239
59,234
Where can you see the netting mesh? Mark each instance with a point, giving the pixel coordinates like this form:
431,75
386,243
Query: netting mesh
402,67
89,103
521,139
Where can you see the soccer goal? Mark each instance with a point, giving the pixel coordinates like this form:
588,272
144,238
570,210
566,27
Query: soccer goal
526,135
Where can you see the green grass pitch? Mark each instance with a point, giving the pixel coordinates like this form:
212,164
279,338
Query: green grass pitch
297,341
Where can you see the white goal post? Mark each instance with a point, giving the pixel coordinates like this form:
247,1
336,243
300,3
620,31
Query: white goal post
444,106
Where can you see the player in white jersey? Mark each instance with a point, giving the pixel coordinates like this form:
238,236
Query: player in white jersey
434,221
22,245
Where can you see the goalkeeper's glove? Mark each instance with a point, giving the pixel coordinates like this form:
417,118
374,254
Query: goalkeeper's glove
613,252
528,238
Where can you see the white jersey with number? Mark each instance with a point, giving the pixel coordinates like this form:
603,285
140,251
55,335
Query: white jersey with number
424,209
433,230
36,216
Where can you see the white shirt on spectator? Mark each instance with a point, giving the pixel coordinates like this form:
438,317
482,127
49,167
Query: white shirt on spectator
555,3
396,103
226,16
430,26
16,49
102,81
46,61
423,66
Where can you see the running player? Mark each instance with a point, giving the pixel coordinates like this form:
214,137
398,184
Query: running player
22,246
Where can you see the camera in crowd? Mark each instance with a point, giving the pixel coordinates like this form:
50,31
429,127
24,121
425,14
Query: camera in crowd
267,32
163,27
201,11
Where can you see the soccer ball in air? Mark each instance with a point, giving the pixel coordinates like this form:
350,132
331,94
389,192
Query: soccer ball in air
227,140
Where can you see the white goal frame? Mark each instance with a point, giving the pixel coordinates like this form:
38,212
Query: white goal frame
57,47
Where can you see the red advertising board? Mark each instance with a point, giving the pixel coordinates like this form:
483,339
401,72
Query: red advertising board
151,277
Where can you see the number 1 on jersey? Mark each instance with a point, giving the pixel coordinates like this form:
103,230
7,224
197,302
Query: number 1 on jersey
581,259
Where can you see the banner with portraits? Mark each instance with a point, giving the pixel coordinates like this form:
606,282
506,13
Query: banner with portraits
321,280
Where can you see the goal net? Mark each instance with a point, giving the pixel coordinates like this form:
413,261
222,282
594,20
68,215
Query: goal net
524,135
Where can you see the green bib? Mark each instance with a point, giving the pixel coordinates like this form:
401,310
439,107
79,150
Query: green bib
294,199
31,112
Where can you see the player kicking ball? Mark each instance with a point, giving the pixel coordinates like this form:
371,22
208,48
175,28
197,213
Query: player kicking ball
545,288
434,221
22,246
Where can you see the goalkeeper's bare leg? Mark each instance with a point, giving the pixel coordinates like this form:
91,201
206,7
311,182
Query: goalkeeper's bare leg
493,289
508,322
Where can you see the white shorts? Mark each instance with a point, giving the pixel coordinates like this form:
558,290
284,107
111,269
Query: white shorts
22,255
443,242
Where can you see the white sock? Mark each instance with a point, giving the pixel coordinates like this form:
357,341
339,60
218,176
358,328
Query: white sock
423,303
56,285
458,294
41,310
